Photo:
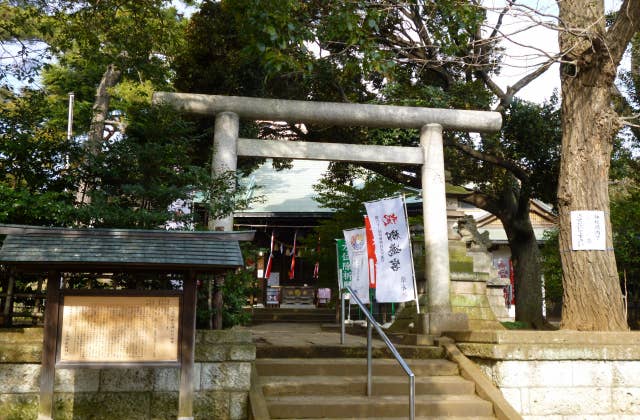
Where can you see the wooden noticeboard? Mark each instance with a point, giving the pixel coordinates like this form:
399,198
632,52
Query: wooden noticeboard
119,329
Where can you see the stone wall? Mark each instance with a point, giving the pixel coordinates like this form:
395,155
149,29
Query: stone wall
562,374
222,371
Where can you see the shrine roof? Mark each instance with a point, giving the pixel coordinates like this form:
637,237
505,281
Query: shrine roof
123,248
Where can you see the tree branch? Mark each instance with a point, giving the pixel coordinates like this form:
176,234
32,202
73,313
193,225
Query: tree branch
483,201
509,165
627,23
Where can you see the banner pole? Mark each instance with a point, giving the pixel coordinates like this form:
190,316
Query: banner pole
413,269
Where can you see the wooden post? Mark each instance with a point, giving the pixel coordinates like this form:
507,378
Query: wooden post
218,303
47,370
187,347
8,301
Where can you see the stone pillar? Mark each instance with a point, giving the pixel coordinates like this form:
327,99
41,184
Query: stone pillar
225,157
434,210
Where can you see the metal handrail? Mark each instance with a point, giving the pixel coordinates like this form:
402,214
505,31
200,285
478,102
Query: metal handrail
372,323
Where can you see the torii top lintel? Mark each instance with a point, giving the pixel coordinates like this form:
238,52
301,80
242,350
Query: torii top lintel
333,113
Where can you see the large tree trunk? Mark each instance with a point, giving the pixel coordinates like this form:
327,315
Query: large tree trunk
592,297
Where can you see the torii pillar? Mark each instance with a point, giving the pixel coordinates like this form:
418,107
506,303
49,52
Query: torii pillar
431,122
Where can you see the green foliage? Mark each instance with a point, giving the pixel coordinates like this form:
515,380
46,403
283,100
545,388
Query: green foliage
625,219
552,268
34,178
237,288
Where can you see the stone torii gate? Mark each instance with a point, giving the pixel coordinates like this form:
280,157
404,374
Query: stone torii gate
227,147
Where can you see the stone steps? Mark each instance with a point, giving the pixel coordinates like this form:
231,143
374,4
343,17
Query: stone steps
350,406
338,351
345,385
297,315
352,366
296,388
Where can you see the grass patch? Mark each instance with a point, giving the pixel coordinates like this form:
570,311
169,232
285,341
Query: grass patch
516,325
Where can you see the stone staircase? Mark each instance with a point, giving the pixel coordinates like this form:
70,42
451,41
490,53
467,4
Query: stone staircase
293,314
296,388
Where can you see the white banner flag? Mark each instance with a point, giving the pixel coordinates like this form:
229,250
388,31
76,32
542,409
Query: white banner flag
395,279
357,249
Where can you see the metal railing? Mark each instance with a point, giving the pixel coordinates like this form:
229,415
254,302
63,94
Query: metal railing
371,323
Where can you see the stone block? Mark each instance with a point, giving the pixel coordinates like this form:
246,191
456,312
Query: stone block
469,300
513,396
513,373
16,379
18,406
626,400
243,352
591,373
211,405
17,336
21,353
164,406
226,376
626,373
238,405
471,287
102,405
77,380
231,336
569,401
123,380
440,322
168,379
212,353
600,417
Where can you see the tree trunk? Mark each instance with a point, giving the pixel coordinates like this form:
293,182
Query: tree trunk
95,135
101,109
592,297
525,257
512,208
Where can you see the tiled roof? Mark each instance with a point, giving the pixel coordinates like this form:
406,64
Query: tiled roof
122,248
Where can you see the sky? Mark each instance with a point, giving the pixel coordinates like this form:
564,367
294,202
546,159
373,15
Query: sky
526,49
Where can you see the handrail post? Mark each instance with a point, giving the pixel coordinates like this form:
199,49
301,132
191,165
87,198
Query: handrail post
412,396
371,323
341,316
369,358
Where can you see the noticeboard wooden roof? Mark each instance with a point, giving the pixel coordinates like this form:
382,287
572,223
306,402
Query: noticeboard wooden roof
124,248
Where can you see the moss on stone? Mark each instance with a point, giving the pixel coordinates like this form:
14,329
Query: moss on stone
104,405
18,406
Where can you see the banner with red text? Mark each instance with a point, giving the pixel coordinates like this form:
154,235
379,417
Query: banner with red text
395,278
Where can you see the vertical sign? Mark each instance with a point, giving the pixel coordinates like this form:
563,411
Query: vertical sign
395,280
356,243
588,230
344,265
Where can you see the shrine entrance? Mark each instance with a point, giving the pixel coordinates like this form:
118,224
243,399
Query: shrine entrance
429,155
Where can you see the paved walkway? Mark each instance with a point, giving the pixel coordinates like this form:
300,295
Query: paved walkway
304,334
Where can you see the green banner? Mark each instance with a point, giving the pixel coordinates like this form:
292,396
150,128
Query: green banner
344,265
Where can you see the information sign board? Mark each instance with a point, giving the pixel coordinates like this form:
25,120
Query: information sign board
119,329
